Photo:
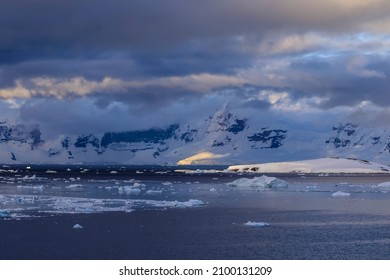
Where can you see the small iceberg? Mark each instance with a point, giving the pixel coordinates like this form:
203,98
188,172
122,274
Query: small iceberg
384,185
77,226
129,190
256,224
5,214
341,194
259,183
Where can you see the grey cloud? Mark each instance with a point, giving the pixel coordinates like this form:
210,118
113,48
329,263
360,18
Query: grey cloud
47,27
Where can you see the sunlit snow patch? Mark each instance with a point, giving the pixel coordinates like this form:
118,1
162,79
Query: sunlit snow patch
258,183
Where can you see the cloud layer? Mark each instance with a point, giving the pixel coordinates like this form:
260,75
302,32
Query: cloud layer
65,62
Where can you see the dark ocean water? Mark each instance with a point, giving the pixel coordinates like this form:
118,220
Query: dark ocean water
154,212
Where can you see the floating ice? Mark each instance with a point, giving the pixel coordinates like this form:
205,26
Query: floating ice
154,192
5,214
138,185
98,181
213,190
341,194
384,185
77,226
74,205
189,203
38,187
74,186
129,190
167,183
256,224
113,172
259,183
51,171
33,177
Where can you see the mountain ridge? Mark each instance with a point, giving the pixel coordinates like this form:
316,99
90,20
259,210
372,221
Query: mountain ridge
239,139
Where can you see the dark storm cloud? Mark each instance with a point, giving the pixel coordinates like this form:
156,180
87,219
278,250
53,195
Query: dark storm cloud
63,28
341,80
152,56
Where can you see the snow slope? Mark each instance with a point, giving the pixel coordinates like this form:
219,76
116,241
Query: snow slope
322,165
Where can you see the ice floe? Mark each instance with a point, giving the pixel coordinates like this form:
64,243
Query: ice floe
341,194
256,224
32,187
258,183
129,190
154,192
5,214
33,177
384,185
74,186
78,226
75,205
138,185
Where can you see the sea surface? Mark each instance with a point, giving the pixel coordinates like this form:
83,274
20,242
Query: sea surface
189,213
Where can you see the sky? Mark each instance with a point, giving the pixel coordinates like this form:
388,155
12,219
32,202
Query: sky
73,66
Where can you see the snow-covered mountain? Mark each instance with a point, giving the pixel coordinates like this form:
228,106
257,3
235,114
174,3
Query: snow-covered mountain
223,138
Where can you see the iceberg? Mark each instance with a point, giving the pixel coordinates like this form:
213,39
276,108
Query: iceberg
77,226
341,194
258,183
